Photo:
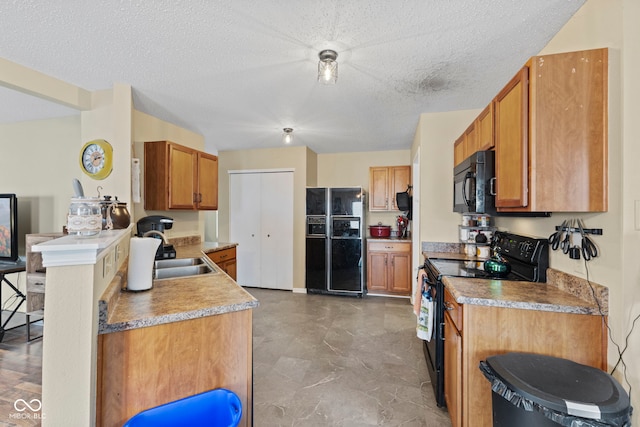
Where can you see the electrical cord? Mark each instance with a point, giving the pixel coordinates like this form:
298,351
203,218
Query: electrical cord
621,352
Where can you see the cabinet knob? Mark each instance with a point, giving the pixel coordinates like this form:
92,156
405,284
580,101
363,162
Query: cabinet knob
448,306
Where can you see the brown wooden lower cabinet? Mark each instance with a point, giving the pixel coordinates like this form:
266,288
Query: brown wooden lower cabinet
226,260
474,332
146,367
389,267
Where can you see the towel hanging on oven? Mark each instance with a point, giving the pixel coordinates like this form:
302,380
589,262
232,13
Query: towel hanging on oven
424,308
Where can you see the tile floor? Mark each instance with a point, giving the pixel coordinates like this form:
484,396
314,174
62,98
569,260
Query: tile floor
324,360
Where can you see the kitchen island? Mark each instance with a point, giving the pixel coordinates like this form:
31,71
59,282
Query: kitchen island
182,337
487,317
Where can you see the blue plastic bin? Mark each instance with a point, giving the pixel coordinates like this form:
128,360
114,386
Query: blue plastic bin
214,408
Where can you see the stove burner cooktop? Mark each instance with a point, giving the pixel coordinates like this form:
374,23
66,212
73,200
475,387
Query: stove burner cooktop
528,257
472,269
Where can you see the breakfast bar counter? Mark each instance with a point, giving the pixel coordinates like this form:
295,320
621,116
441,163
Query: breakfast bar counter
172,300
182,337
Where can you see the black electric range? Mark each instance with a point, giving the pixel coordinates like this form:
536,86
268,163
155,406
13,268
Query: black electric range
463,268
529,260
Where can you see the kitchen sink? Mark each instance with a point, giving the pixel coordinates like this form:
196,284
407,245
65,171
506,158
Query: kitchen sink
181,267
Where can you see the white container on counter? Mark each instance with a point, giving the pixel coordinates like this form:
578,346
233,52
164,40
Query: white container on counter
470,249
142,254
483,251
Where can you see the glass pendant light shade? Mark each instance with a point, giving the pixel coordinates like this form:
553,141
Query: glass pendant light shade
328,67
287,136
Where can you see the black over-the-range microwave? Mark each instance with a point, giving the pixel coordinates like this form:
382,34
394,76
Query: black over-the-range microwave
474,184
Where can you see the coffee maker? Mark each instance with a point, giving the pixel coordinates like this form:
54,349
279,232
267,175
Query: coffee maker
159,224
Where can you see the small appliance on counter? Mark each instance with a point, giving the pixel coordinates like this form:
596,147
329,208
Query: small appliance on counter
154,226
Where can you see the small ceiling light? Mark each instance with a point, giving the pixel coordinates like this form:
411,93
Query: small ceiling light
287,136
328,67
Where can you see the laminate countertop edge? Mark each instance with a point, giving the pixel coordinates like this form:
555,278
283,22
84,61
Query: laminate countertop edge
172,300
561,293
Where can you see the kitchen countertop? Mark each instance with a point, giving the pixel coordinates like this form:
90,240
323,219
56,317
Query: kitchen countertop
388,239
208,247
516,294
561,293
172,300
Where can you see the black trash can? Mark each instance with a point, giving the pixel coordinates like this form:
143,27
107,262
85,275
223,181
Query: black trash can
533,390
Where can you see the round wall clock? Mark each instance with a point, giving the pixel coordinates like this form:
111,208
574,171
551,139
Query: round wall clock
96,159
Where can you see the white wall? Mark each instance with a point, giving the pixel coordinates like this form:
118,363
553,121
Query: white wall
38,161
437,131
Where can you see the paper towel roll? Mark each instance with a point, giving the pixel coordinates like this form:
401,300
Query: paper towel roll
142,254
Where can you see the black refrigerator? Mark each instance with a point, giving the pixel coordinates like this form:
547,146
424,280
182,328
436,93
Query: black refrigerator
334,262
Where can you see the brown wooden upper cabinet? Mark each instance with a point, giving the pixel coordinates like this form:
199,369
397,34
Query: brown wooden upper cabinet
551,149
179,177
384,183
484,129
548,127
459,151
471,140
512,156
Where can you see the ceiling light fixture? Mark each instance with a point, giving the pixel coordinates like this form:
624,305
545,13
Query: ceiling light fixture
287,136
328,67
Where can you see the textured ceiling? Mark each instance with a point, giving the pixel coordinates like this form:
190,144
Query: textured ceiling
239,71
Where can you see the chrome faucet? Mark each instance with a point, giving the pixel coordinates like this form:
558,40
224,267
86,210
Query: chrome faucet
157,233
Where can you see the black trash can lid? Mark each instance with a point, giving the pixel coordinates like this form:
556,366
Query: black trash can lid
562,385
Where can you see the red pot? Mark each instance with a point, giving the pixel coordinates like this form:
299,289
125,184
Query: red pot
380,230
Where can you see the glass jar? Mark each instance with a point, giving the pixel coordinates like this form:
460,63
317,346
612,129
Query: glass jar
85,217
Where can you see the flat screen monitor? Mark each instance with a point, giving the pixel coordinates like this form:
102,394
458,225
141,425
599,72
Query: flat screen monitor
8,227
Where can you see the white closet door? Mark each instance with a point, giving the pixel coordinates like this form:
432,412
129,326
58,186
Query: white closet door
277,230
244,227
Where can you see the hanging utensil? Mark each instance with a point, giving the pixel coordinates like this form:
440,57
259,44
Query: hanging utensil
566,241
555,238
589,249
